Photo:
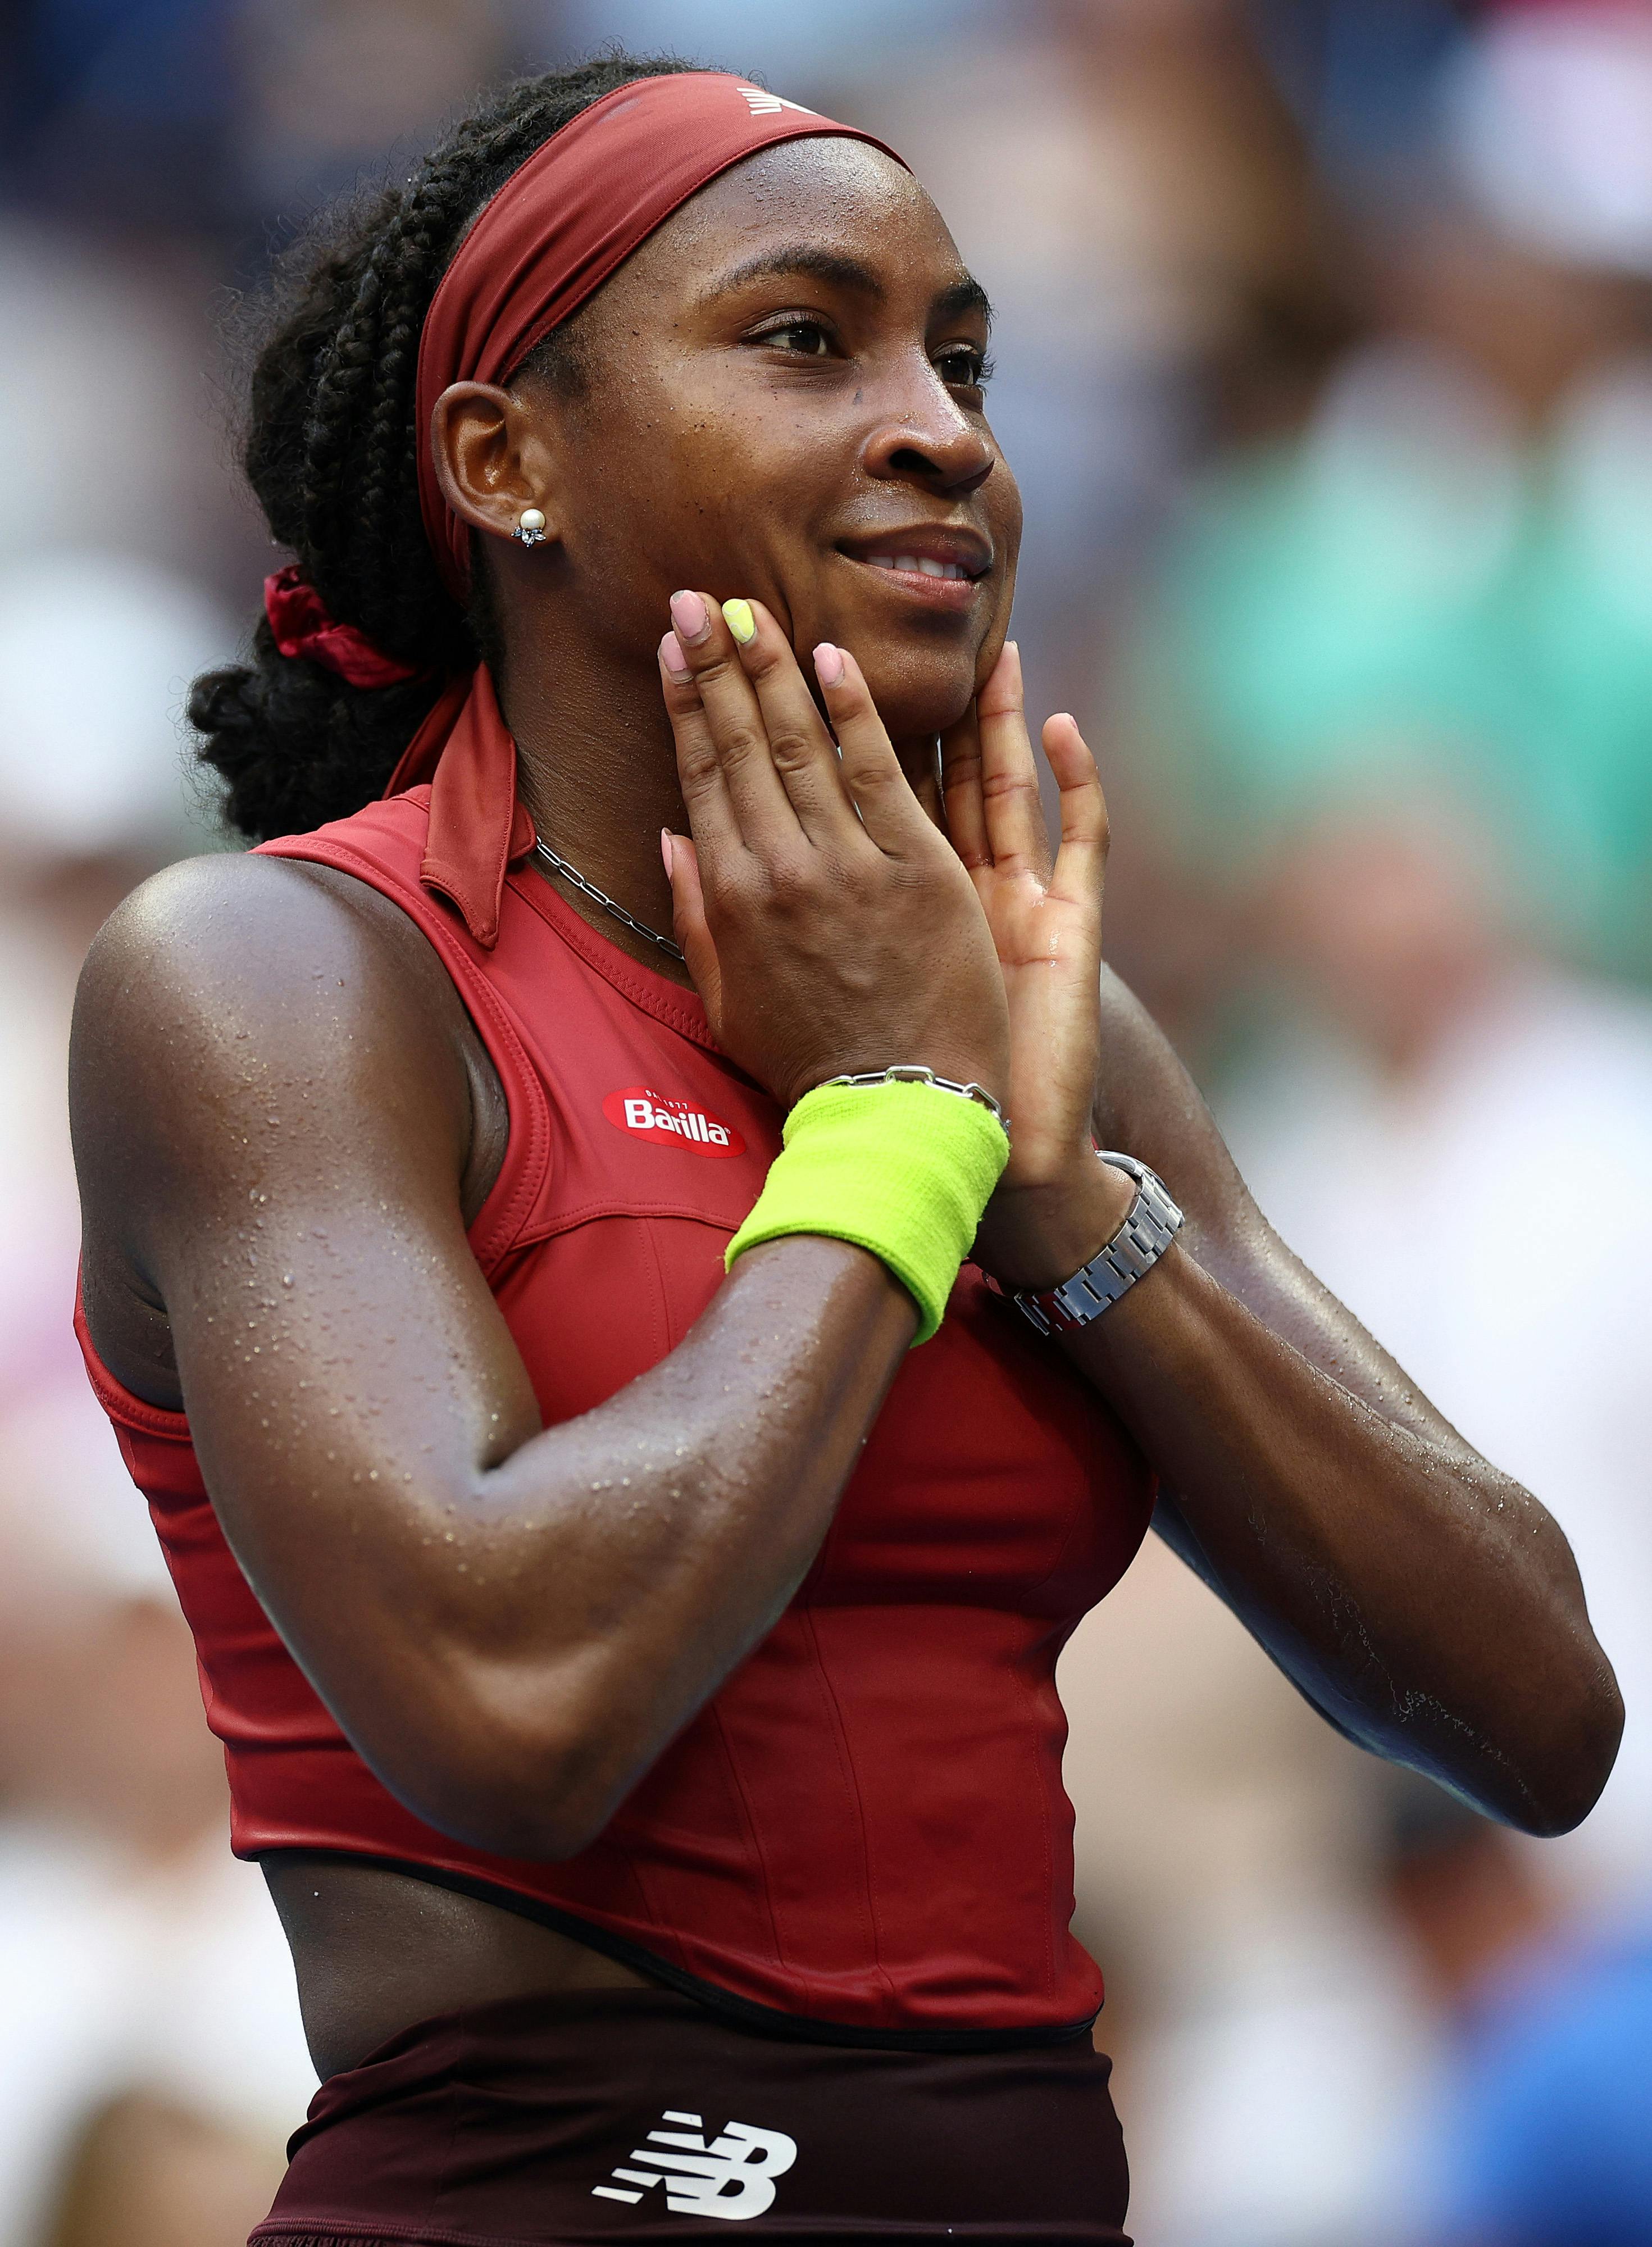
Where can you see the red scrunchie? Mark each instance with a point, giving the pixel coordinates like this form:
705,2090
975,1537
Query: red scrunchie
299,620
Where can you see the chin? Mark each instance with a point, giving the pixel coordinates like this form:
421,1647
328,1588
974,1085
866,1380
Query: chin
919,691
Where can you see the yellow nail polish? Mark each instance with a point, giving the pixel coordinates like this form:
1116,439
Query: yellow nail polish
737,615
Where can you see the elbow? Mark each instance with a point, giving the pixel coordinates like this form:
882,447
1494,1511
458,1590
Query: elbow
542,1824
1564,1784
534,1778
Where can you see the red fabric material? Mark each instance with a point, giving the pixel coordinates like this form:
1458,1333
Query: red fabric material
299,618
562,223
477,826
866,1825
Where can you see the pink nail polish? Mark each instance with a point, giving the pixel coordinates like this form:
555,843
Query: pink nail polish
664,849
829,664
671,656
688,614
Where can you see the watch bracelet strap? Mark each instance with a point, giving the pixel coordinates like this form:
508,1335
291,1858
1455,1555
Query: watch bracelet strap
1151,1223
914,1073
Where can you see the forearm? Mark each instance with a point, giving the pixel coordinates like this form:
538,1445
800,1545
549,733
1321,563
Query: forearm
1391,1571
510,1621
674,1523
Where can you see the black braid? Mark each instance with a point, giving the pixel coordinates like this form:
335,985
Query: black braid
329,450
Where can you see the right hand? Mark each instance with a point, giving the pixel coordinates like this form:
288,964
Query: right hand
828,924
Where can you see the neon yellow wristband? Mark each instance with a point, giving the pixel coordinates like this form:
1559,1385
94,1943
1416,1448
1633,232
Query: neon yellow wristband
902,1169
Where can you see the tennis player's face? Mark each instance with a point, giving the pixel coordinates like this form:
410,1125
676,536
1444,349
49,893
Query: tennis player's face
786,403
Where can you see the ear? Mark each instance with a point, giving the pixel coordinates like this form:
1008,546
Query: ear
494,456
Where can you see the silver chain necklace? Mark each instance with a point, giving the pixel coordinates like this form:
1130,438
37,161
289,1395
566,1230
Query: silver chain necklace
601,897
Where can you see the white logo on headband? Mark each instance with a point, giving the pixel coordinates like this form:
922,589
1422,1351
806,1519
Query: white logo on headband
770,105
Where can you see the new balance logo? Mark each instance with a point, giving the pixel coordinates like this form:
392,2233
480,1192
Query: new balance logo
731,2179
770,105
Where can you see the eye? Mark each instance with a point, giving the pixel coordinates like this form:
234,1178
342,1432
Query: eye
802,338
962,366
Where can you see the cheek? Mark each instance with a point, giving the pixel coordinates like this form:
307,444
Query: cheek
683,495
1003,497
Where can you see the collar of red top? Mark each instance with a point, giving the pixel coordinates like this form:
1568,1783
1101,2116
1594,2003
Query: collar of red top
478,827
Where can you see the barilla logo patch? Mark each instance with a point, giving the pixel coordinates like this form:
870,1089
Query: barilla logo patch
666,1120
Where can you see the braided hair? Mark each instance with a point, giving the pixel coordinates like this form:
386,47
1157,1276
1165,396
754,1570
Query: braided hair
330,452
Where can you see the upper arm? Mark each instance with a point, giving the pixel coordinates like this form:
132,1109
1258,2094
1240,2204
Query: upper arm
271,1122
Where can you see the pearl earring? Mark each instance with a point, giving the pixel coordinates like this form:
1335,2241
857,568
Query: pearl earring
531,527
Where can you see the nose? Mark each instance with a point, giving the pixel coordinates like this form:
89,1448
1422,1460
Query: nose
926,439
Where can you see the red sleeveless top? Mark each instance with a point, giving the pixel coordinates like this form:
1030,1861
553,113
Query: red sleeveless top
863,1837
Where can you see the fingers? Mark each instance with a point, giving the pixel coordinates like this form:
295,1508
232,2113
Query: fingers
688,921
961,788
728,728
801,750
918,762
890,812
698,772
1013,811
1080,861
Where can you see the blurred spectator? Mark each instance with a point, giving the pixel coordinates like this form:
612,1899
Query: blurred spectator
145,2173
332,88
120,110
1547,2139
134,1952
1454,555
1470,1901
1541,2128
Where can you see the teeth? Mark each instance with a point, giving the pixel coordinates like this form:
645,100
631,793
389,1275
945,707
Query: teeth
919,565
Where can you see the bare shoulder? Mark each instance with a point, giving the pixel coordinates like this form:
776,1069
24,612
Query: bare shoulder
225,976
260,935
245,1027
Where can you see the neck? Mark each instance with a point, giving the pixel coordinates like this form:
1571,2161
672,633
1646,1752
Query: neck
597,771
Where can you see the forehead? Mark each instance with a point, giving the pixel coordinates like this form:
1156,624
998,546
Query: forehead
836,195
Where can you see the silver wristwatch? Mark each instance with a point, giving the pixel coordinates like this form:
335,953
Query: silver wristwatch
1153,1222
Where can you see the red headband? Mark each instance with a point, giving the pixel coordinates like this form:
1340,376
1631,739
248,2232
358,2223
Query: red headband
563,221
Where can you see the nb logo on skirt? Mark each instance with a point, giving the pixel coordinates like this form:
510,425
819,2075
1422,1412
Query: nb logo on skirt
731,2178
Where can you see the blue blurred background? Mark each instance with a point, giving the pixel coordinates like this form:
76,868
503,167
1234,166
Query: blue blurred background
1325,359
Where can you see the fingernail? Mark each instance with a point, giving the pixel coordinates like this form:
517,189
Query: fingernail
737,615
829,664
665,849
688,614
670,655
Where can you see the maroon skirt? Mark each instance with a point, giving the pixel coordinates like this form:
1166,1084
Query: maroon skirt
616,2115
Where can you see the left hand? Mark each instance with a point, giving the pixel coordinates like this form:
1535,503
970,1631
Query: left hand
1055,1206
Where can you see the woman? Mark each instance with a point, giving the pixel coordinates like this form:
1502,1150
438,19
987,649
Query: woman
635,1660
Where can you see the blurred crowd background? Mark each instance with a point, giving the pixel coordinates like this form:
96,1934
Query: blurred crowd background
1325,359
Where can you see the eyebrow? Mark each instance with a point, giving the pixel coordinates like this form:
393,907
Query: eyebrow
840,271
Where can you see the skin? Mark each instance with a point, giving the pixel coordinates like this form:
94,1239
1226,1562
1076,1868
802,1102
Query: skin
284,1120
